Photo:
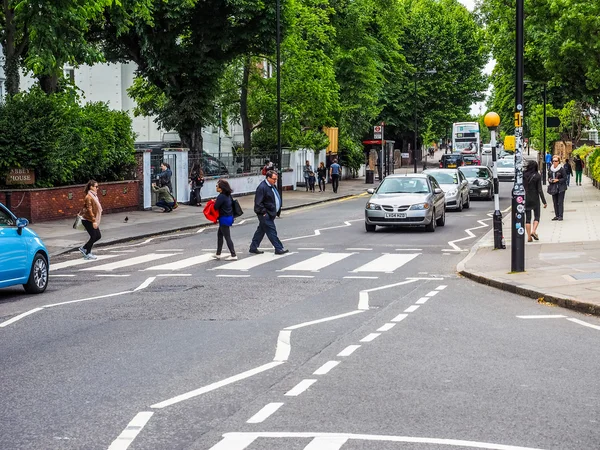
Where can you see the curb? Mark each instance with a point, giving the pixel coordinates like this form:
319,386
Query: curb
524,290
190,227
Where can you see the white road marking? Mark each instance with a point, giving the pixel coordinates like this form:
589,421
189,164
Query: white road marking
145,284
386,327
412,308
295,276
77,262
361,278
170,250
325,319
358,249
183,263
311,248
585,324
409,249
318,231
19,317
363,300
264,413
441,287
123,251
422,300
253,261
172,275
424,278
326,443
283,349
217,385
470,235
432,293
116,294
363,296
399,317
124,440
370,337
325,368
300,388
54,275
387,263
542,316
129,262
240,441
112,276
233,276
317,262
348,350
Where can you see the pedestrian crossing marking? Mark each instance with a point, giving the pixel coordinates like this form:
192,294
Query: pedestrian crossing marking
253,261
129,262
387,263
183,263
77,262
318,262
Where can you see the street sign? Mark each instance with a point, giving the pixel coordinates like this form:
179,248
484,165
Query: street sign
20,176
378,132
552,122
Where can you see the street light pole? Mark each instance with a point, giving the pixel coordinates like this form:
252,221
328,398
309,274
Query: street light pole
278,45
492,120
416,127
518,192
544,170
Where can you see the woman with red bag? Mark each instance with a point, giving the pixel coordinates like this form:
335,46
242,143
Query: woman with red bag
224,207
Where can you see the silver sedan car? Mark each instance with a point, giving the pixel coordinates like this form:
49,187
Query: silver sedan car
406,200
455,186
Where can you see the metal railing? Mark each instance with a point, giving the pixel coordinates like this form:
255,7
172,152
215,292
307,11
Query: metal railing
233,164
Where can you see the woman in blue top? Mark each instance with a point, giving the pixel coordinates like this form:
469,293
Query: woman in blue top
224,206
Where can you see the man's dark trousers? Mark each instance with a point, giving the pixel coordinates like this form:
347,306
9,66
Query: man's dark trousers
335,182
266,225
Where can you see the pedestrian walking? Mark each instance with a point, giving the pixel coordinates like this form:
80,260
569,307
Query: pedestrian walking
557,179
322,176
334,172
224,206
164,198
306,171
311,182
267,206
548,160
568,171
91,215
579,166
533,194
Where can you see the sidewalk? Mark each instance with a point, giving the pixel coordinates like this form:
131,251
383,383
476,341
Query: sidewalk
59,236
563,267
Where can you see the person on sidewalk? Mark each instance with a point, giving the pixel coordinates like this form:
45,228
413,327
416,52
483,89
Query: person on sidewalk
224,205
164,198
311,182
196,183
548,160
267,206
334,172
91,215
533,193
165,175
568,171
306,172
557,179
322,176
579,166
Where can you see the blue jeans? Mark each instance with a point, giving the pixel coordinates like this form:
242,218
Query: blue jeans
266,225
165,205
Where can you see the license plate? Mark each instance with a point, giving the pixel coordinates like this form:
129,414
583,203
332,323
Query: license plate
451,166
470,191
395,216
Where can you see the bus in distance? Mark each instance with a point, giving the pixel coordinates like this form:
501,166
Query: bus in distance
466,137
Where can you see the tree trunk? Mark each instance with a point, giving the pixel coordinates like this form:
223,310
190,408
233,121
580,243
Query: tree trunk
192,139
49,83
247,128
11,64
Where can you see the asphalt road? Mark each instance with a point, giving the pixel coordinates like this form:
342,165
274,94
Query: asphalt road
354,340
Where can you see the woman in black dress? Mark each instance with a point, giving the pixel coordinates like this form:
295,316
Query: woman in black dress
533,193
224,205
557,179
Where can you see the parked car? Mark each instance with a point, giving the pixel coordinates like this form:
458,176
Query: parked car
506,169
455,186
406,200
471,160
23,256
486,149
452,161
481,183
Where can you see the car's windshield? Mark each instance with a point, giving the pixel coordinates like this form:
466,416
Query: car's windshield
403,186
452,158
475,172
506,163
445,177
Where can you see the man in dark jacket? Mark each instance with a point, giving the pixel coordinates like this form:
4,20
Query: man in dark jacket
267,206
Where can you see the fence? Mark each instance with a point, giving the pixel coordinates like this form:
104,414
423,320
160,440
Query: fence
234,164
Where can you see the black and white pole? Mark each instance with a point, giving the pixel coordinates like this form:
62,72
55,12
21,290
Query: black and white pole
517,247
492,120
278,64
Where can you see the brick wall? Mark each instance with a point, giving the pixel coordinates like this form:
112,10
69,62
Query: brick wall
40,205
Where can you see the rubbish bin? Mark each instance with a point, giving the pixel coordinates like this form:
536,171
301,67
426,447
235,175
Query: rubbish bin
370,177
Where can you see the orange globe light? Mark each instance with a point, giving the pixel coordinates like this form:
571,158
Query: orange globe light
491,120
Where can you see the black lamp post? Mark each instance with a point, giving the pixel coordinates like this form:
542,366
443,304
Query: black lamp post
416,122
278,46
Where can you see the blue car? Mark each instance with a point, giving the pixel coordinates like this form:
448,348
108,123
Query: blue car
23,256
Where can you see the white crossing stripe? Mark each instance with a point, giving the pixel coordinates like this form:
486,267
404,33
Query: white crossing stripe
253,261
183,263
326,443
387,263
264,413
235,441
77,262
300,388
130,262
318,262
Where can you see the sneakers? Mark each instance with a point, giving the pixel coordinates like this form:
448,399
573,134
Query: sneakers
90,256
215,256
231,258
82,250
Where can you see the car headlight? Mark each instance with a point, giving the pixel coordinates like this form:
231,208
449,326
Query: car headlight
452,192
420,206
373,206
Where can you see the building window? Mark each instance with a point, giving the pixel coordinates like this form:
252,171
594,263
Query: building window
70,74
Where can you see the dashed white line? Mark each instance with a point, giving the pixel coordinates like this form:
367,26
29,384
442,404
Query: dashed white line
585,324
432,293
300,388
411,308
114,276
311,248
422,300
370,337
326,443
361,278
124,440
264,413
145,284
542,316
441,287
233,276
386,327
325,368
174,275
348,350
282,352
325,319
399,317
295,276
358,249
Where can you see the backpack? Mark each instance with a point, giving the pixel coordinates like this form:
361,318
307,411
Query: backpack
237,209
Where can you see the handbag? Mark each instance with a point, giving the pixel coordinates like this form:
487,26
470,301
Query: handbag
553,188
210,213
237,209
78,224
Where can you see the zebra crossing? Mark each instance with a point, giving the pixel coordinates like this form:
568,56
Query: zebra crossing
300,263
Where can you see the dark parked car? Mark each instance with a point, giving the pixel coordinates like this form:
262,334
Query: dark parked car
452,161
480,180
